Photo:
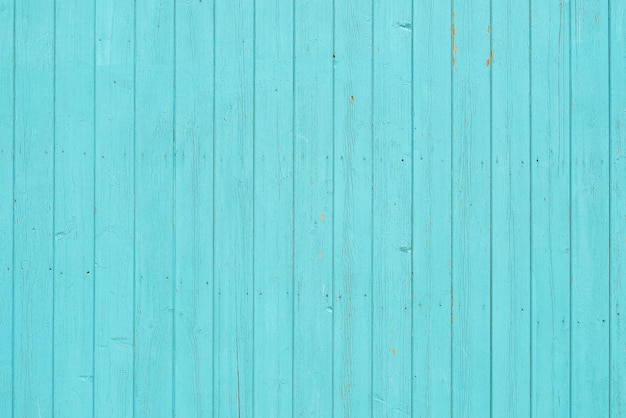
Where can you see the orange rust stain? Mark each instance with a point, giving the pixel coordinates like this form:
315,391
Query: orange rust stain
490,59
488,62
488,29
545,198
322,217
393,351
454,48
449,261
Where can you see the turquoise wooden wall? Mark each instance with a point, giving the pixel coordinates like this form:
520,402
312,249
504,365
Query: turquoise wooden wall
330,208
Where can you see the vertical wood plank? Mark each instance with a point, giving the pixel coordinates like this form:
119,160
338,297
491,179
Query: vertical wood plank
471,209
352,297
194,206
589,209
114,209
550,196
273,208
34,189
432,246
7,118
154,207
617,221
392,275
510,182
313,209
74,208
233,211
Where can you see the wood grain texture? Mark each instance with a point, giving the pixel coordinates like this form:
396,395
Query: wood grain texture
471,209
273,204
114,209
74,208
550,197
233,209
34,270
352,301
432,226
589,182
313,209
155,274
392,227
510,188
6,206
617,208
193,210
367,208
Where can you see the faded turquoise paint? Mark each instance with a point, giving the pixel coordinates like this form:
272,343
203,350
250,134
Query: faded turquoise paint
312,208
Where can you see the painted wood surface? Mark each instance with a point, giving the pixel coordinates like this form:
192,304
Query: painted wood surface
312,208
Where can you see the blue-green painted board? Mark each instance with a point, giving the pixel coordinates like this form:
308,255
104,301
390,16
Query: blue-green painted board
432,226
617,208
391,209
6,208
233,209
472,227
193,352
74,189
312,208
352,300
510,189
549,223
155,201
589,206
273,208
114,209
33,193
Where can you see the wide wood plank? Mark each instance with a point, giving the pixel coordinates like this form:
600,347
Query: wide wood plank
471,210
7,118
154,369
589,206
233,210
34,202
74,208
114,209
510,185
432,226
352,300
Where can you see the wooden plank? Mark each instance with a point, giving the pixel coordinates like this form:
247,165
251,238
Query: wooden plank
114,209
273,208
617,179
550,239
589,207
193,354
432,239
154,210
233,211
352,295
34,196
7,118
471,273
313,209
74,208
393,220
510,182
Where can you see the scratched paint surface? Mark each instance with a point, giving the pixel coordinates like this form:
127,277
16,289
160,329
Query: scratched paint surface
270,208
